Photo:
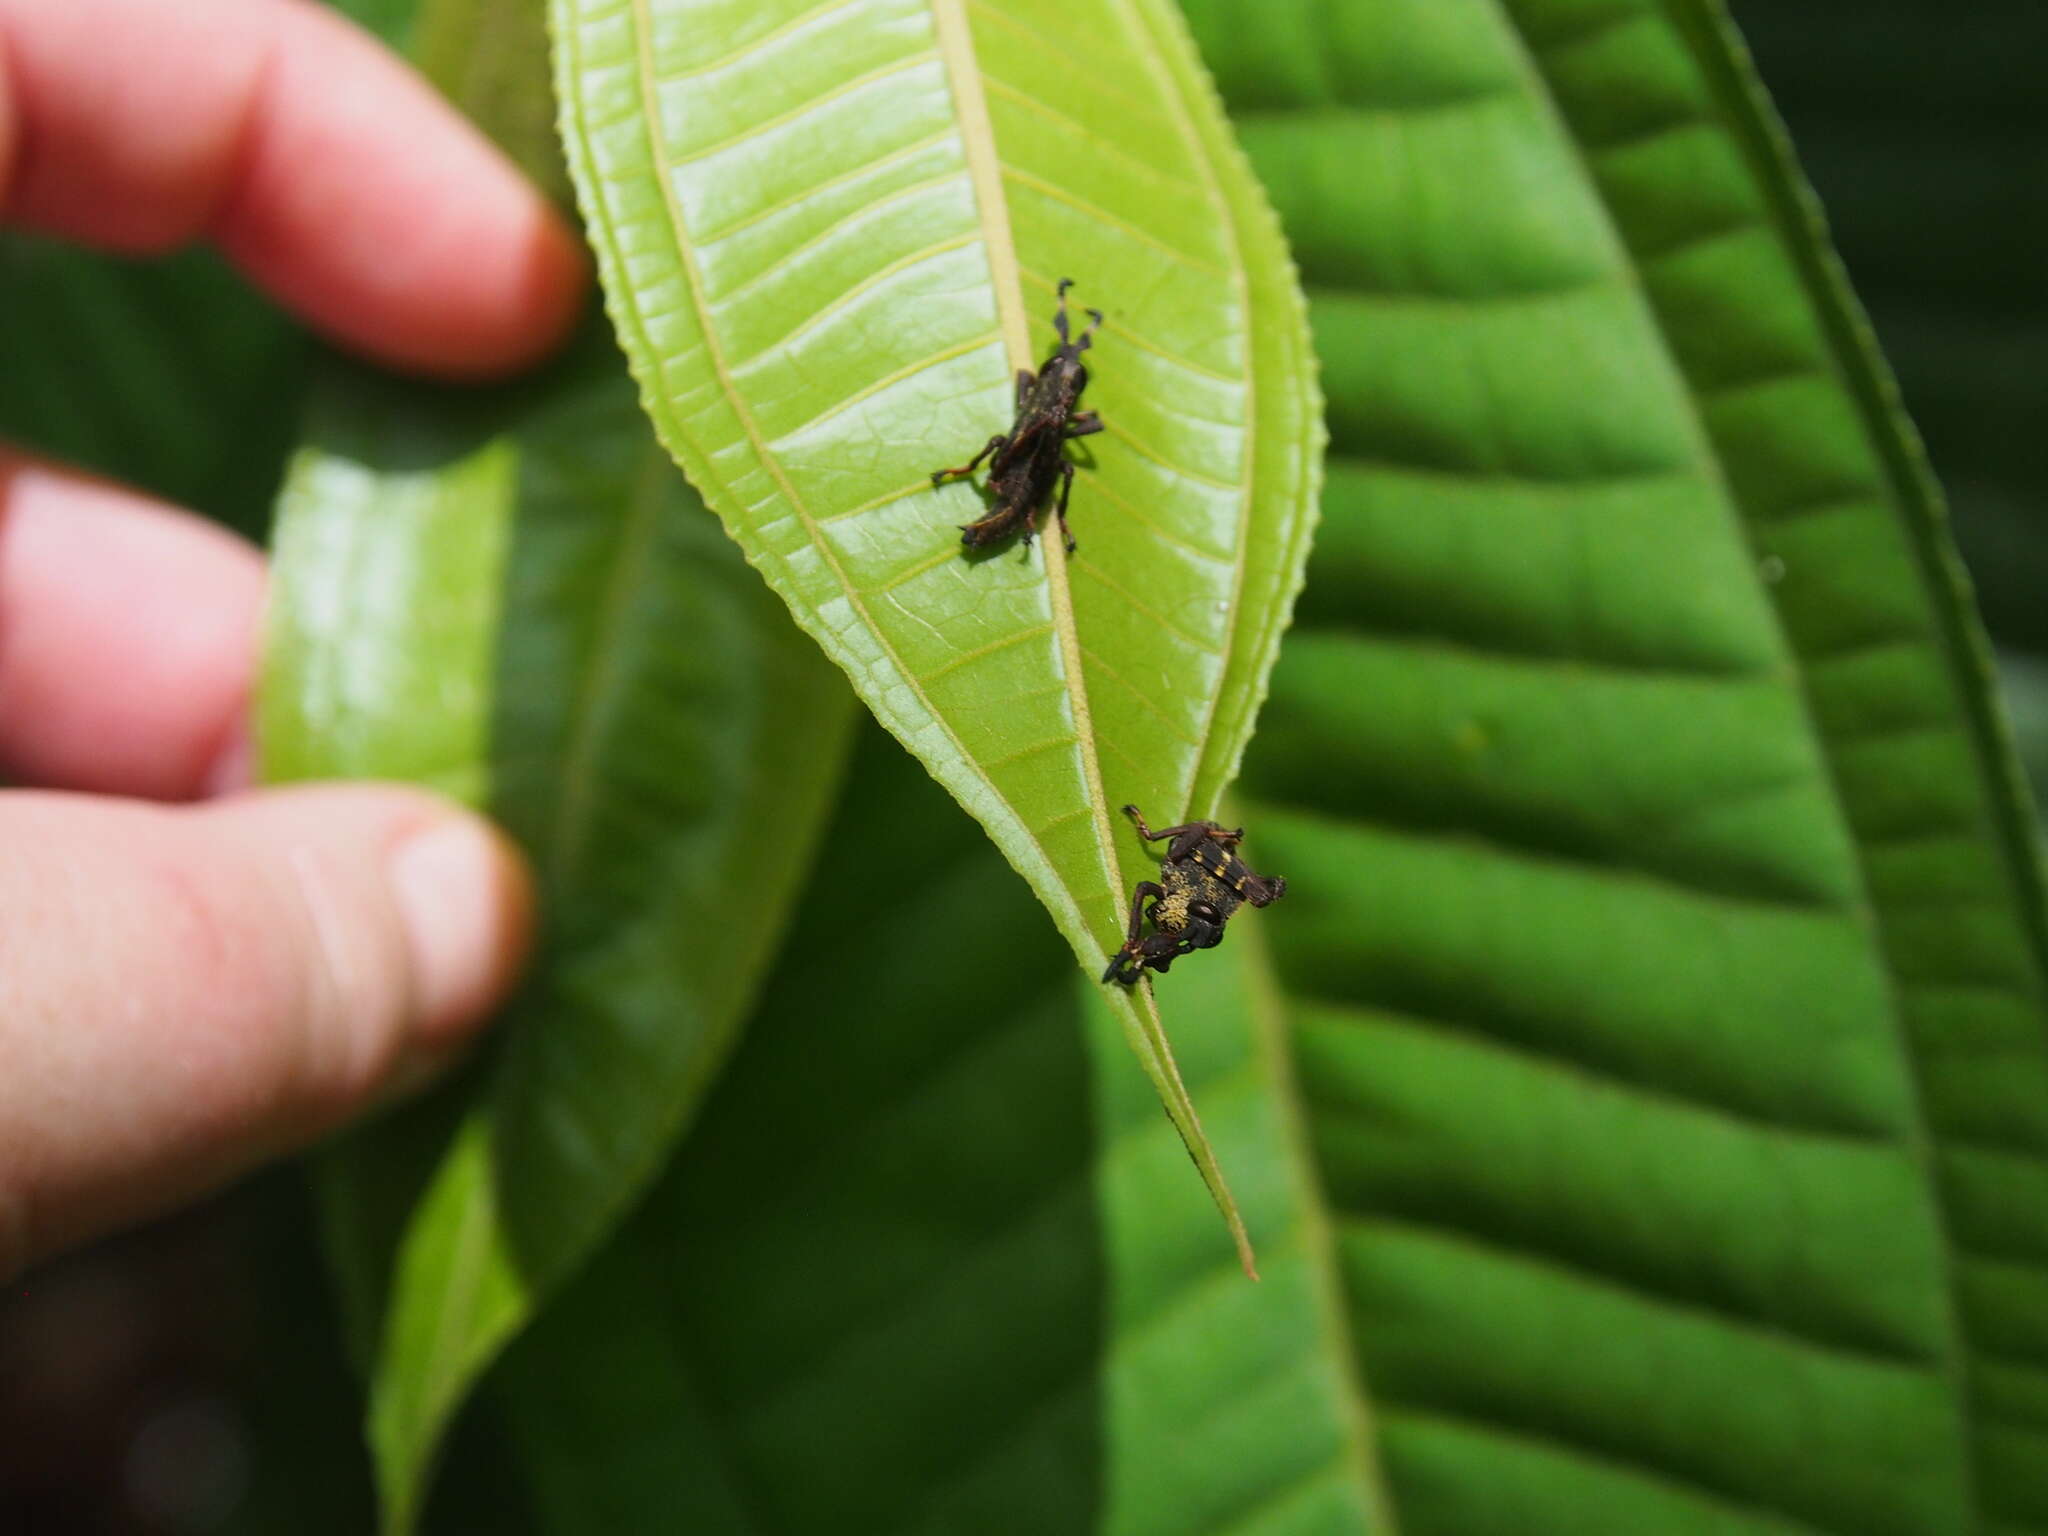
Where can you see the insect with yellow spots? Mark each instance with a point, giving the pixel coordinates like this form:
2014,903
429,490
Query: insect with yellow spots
1201,882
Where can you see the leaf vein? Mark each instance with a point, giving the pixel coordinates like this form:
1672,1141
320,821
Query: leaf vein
1193,642
847,298
1095,140
1103,489
1111,326
1178,731
811,193
909,64
968,658
888,381
886,499
1686,1483
1108,220
858,216
1180,471
1074,65
761,44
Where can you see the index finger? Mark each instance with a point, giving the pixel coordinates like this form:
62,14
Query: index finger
323,166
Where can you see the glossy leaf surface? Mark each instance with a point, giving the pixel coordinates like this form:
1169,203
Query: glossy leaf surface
830,236
513,597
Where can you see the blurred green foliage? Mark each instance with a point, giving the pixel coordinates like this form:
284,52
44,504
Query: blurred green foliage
171,375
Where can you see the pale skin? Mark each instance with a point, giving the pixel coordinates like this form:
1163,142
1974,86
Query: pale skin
194,975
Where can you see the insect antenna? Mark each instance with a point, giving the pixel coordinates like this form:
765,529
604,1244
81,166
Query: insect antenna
1059,319
1088,336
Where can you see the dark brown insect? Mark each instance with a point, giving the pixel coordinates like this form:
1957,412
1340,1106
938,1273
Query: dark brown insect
1201,882
1031,455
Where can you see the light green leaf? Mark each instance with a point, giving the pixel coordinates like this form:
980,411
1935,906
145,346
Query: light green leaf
830,235
513,597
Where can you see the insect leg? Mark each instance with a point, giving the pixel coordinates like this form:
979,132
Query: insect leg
1060,509
1146,890
1128,963
974,463
1083,424
1186,837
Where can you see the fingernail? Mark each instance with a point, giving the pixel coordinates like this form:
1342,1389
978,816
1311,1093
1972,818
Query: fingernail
463,897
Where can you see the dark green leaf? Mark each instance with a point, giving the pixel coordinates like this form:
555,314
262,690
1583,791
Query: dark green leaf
932,1261
1665,947
170,375
1923,133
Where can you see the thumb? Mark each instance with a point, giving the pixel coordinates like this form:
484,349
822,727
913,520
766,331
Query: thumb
185,991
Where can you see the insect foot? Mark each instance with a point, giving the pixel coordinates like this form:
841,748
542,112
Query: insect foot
1202,881
1026,462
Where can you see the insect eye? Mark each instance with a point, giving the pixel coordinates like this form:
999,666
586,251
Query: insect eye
1080,377
1205,912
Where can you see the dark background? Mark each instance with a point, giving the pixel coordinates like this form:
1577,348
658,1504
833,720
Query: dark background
188,1378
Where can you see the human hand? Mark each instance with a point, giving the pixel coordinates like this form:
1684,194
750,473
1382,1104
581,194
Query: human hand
186,989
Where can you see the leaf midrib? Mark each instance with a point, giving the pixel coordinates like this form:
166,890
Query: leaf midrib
985,169
992,211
